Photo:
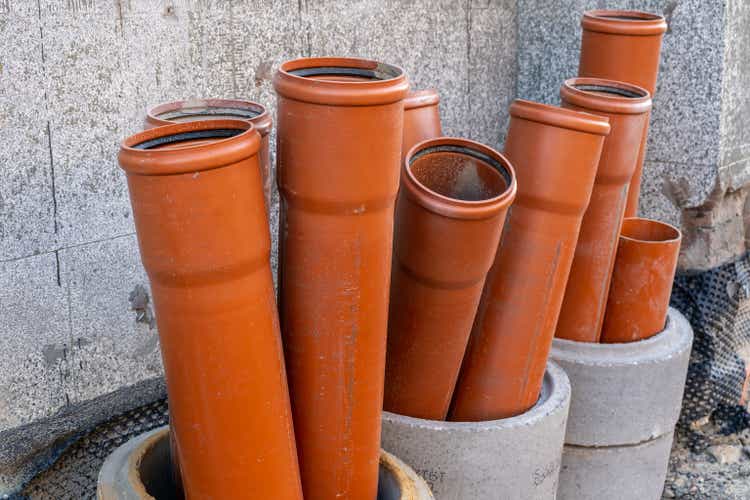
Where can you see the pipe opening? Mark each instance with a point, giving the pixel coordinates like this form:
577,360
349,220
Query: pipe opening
607,90
625,15
459,172
649,231
193,135
348,73
155,471
189,114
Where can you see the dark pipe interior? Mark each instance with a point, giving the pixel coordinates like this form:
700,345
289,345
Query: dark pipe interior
219,133
605,89
631,17
155,471
202,113
347,73
459,172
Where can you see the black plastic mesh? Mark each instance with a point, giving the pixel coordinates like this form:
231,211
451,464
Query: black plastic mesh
74,474
717,304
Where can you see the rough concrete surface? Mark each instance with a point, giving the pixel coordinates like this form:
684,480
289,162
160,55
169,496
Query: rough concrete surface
512,458
615,398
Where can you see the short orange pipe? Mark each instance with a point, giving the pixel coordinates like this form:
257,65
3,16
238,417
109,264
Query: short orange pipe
449,216
627,108
340,127
221,109
641,281
624,45
197,200
554,152
421,118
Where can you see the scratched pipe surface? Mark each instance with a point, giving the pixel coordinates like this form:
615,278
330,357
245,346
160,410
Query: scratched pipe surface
339,144
627,107
203,235
554,152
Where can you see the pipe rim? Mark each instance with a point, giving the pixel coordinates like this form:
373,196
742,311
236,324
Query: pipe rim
624,22
554,396
250,111
610,96
556,116
454,207
227,148
675,235
421,98
382,83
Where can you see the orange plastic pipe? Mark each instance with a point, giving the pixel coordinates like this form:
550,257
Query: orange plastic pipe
641,281
627,108
421,118
624,45
449,216
197,200
339,142
221,109
554,152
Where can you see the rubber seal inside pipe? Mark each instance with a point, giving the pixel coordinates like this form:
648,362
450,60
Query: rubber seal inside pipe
188,113
630,94
381,72
459,172
449,148
221,133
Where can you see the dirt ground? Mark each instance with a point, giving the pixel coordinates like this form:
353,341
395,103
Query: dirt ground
708,464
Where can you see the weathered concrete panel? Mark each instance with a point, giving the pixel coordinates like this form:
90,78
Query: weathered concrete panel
27,205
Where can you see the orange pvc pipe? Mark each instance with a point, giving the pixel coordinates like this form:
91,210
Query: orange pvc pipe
627,108
421,118
197,200
339,142
449,216
554,152
642,280
624,45
221,109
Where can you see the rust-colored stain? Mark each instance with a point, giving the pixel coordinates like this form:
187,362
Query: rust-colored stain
641,281
554,152
624,45
339,142
450,213
205,244
627,107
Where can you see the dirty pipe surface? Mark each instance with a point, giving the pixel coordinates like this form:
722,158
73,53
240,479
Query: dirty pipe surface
339,142
641,280
554,152
624,45
627,107
449,216
197,199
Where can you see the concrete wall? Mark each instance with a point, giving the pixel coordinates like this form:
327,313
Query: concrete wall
76,329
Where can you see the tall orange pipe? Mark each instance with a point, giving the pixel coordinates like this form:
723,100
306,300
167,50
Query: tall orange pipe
450,213
339,143
624,45
627,107
421,118
554,152
199,213
641,281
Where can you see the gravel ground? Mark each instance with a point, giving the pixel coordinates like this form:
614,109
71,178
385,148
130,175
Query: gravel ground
707,463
